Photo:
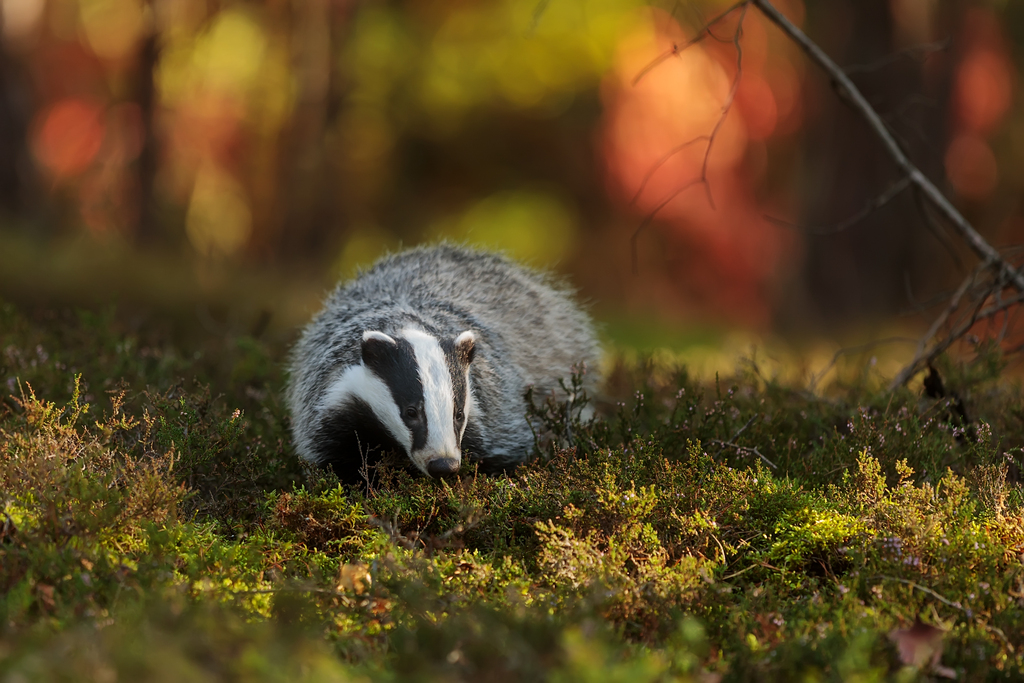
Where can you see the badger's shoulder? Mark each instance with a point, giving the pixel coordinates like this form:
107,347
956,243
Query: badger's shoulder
528,322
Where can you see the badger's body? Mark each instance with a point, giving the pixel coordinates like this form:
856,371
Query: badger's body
430,354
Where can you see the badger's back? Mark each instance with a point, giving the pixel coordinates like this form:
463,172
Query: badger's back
528,332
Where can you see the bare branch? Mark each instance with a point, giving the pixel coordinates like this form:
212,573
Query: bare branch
744,427
538,10
937,230
1004,273
925,589
930,198
918,52
661,162
926,355
729,100
744,450
726,107
704,32
917,308
878,202
650,219
671,52
738,432
695,13
848,91
954,303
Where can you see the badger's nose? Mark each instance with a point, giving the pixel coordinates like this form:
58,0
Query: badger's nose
442,467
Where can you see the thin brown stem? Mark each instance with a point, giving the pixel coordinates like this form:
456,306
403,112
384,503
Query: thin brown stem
960,330
661,162
703,33
650,219
726,107
911,51
875,204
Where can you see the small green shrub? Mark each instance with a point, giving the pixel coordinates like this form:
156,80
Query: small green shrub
156,525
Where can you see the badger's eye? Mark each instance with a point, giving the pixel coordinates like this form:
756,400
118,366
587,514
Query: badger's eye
411,413
459,415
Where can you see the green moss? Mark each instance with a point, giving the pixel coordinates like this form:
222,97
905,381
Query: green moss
814,536
157,525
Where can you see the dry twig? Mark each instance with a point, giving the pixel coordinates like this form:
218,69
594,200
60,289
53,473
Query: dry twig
918,52
920,357
704,32
978,314
874,205
744,450
731,443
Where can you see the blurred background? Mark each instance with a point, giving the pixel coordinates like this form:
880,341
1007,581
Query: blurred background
226,162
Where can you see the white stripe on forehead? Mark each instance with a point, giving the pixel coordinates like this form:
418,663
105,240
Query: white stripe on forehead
359,382
438,399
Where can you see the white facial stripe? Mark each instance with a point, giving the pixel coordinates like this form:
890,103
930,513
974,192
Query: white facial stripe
358,382
437,398
471,406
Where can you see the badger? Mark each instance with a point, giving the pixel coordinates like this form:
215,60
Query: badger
429,354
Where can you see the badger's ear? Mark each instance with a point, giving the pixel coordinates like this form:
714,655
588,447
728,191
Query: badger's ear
465,346
377,348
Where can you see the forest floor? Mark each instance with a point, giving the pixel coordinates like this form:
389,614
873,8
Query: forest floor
156,525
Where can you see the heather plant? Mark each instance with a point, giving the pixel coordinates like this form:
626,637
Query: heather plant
156,525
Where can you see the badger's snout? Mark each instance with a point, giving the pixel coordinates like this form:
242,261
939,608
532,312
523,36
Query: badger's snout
442,467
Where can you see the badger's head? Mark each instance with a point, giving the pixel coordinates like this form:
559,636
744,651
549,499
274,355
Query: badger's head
411,394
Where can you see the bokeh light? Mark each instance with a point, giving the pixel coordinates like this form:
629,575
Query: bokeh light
971,167
983,89
219,219
21,17
982,93
326,133
112,27
657,134
529,226
68,135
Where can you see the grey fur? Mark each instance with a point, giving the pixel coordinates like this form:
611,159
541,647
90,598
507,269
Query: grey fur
528,332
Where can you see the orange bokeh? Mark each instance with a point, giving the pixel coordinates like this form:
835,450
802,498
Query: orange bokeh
983,89
205,128
982,94
655,141
971,166
68,135
756,102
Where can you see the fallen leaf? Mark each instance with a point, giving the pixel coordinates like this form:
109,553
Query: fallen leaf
354,577
45,593
920,646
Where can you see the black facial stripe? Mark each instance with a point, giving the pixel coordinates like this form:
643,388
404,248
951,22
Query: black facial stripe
457,368
350,435
398,369
472,443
